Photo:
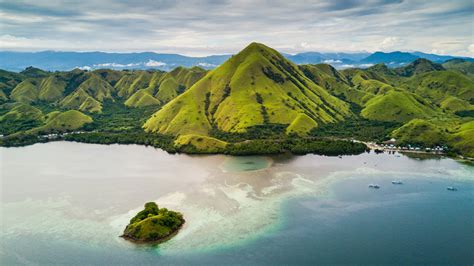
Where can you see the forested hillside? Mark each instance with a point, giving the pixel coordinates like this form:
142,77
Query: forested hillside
256,96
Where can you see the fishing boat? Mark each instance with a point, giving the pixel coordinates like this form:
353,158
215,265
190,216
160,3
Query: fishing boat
374,186
397,182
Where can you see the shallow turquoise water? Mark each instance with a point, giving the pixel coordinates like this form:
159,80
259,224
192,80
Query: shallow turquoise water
245,163
64,208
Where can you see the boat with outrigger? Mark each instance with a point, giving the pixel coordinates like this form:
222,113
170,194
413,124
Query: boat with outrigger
375,186
397,182
452,189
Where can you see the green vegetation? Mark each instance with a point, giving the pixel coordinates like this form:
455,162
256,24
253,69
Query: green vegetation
25,92
463,139
158,141
256,86
62,122
420,132
19,117
141,98
360,129
417,67
198,143
51,89
397,106
257,102
158,88
461,65
153,225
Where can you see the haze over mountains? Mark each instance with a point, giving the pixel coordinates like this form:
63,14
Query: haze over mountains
254,94
63,61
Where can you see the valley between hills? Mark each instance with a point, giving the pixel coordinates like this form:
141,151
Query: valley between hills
257,102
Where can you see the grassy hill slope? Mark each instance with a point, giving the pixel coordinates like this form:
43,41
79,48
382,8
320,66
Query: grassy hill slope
51,89
463,66
257,86
335,82
25,92
398,106
420,132
163,87
463,139
62,122
438,85
255,100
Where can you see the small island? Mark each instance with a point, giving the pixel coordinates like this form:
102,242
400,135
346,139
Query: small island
153,225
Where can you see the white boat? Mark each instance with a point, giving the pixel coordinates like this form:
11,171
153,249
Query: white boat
374,186
397,182
452,189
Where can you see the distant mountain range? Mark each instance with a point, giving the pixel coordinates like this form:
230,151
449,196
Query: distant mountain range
62,61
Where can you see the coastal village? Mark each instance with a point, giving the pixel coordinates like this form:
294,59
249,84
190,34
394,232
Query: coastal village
391,146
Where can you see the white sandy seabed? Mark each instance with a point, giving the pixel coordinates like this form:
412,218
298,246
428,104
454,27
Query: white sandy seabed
232,209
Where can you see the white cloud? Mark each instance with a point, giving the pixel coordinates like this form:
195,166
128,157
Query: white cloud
470,49
116,65
12,42
332,61
391,42
83,67
153,63
206,65
355,65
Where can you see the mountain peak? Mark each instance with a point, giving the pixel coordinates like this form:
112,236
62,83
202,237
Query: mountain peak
257,86
34,72
423,61
256,45
379,67
256,48
420,65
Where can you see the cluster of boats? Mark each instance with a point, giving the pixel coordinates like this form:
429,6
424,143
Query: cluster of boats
399,182
395,182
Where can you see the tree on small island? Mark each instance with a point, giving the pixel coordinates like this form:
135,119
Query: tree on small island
153,225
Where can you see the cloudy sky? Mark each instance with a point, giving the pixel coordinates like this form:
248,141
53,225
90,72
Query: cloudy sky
216,27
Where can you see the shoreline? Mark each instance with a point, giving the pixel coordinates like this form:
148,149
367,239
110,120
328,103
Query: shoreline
371,146
296,146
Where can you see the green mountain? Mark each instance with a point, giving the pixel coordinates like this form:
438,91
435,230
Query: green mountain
8,81
418,66
398,106
463,139
461,65
335,82
133,81
25,92
441,84
21,111
255,102
51,88
254,87
62,122
32,72
163,87
421,132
